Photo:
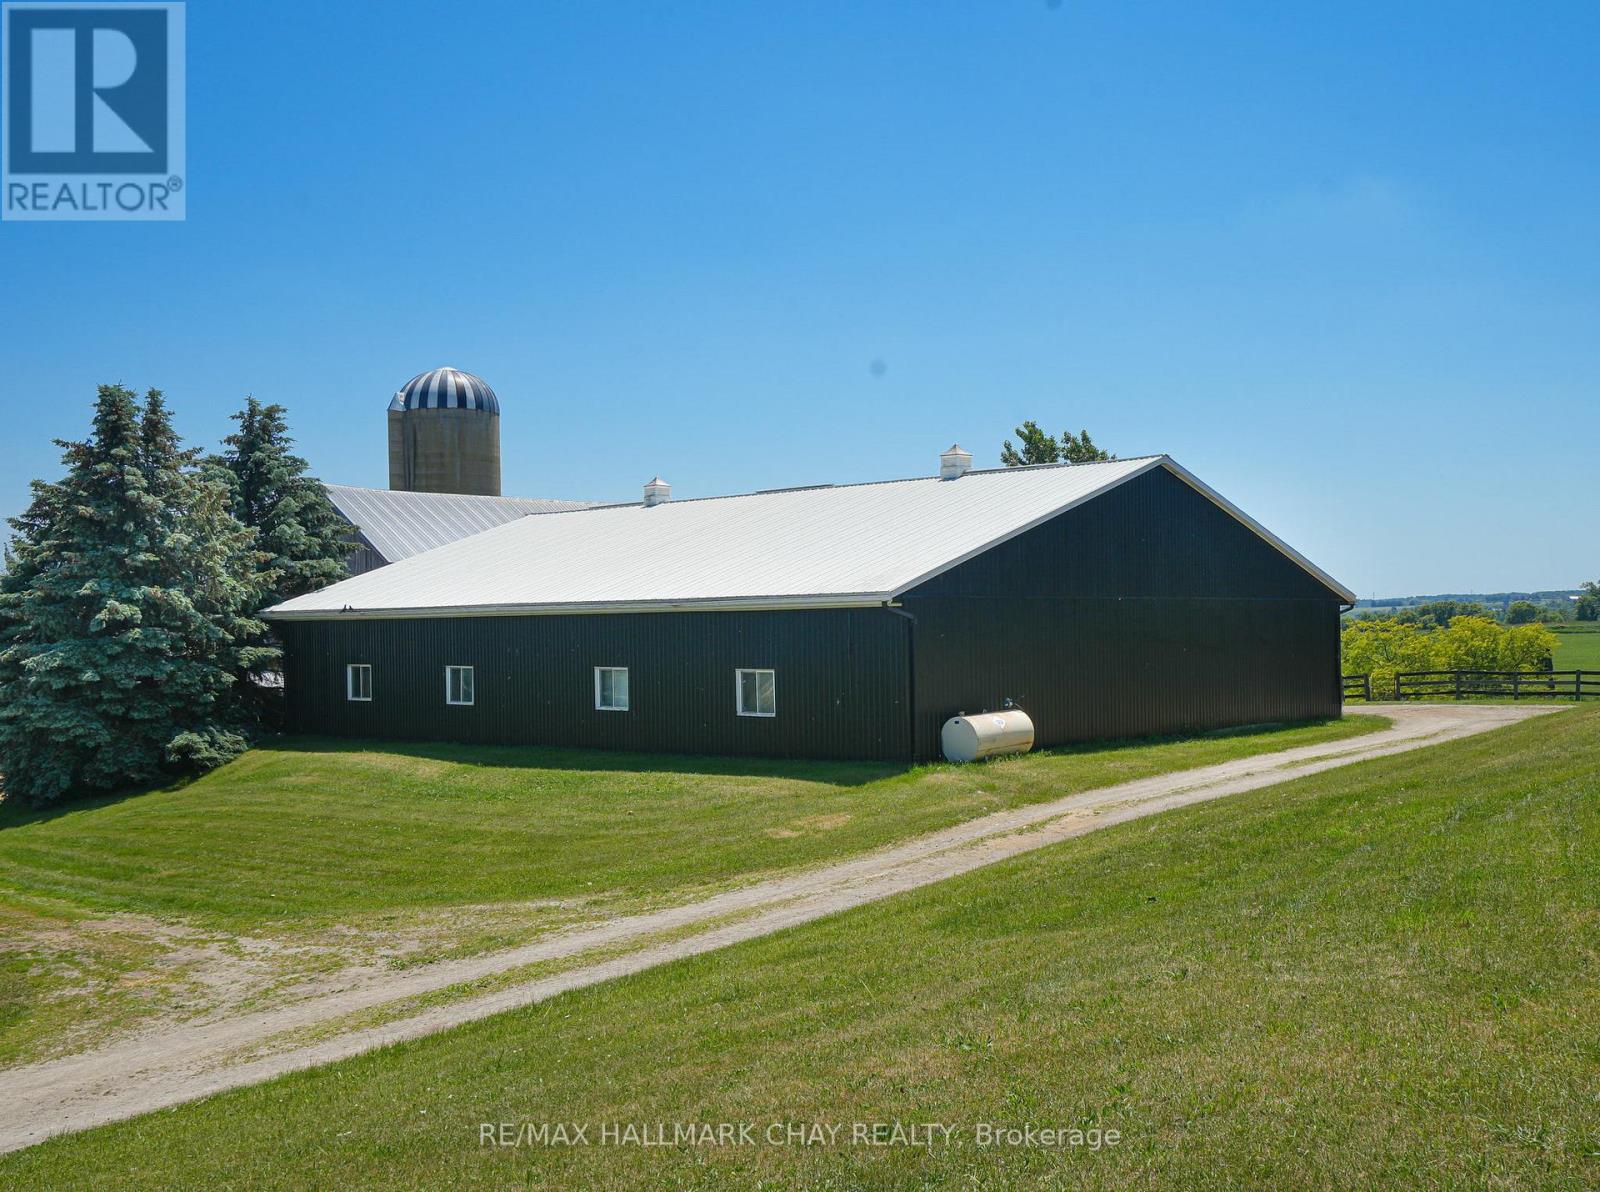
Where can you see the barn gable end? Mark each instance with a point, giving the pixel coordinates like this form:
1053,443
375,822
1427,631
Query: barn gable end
1149,609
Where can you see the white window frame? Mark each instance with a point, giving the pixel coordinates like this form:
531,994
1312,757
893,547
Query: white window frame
738,690
604,707
472,680
350,671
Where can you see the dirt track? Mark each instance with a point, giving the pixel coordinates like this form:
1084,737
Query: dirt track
168,1065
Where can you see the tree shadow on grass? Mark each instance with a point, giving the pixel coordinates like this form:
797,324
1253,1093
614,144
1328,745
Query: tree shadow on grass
554,757
16,814
833,772
549,757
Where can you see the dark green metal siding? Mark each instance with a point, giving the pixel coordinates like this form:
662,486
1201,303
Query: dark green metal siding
1085,669
1148,610
1152,536
842,681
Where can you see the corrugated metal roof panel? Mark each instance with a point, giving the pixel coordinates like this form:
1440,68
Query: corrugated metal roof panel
859,543
402,524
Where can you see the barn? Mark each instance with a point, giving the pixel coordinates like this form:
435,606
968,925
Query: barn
1109,599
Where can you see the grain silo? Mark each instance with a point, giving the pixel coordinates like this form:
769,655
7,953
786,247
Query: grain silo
444,435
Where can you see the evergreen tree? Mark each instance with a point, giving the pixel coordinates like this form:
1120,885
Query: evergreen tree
124,625
296,525
217,562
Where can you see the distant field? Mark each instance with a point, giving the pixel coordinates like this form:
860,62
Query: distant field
1379,976
1577,648
327,854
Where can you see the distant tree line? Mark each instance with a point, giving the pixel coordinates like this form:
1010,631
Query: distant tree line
1435,614
130,648
1440,612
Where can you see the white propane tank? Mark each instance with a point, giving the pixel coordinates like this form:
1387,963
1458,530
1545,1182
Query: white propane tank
973,738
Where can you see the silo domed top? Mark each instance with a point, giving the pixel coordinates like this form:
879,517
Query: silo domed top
446,389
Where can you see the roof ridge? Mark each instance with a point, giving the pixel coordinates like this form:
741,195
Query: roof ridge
851,548
402,492
802,488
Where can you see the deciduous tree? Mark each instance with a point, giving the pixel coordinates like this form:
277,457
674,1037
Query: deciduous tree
1041,448
1587,606
1384,647
1037,447
1522,612
1080,449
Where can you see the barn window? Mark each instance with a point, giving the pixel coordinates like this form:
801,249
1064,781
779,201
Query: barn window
458,685
758,693
358,682
611,688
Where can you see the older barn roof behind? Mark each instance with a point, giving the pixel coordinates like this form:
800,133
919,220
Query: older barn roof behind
803,547
400,524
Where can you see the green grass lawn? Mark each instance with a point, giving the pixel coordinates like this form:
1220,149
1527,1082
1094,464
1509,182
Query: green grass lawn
1577,647
1385,974
326,854
323,829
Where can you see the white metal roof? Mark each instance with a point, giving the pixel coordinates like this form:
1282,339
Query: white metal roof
401,524
831,545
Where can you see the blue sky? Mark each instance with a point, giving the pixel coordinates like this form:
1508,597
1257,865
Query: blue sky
1337,259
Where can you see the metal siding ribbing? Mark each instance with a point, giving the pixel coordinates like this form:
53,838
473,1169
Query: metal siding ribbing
841,681
1087,669
1147,610
1153,536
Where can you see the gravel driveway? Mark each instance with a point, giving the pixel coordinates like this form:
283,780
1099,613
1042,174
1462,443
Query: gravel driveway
170,1064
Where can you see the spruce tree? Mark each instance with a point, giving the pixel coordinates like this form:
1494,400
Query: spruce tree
216,561
124,615
304,538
